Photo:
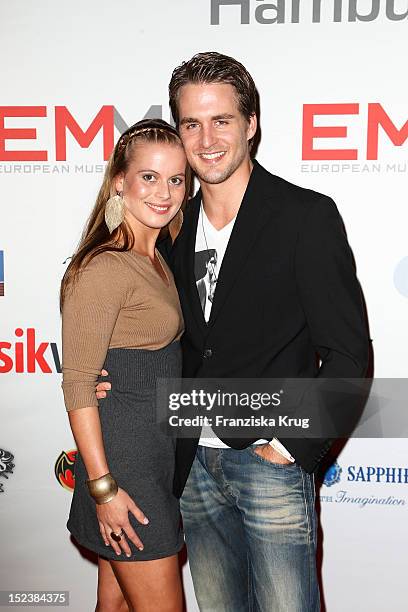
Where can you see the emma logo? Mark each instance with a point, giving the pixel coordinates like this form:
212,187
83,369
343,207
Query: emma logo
66,128
376,117
294,11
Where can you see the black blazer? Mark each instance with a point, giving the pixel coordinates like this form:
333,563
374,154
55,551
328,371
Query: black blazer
287,292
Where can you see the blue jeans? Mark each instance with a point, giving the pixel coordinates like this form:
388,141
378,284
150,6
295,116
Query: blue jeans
250,529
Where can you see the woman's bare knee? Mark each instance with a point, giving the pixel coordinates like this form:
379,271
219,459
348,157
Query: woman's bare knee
110,596
151,585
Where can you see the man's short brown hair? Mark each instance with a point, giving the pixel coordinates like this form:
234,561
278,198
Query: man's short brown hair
213,67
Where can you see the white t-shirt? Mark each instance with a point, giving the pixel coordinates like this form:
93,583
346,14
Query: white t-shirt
210,247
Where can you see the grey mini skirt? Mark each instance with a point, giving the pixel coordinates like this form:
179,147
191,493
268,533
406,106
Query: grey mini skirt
140,455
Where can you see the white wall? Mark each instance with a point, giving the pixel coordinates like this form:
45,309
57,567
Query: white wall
83,56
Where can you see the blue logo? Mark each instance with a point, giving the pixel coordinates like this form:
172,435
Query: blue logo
332,476
1,273
401,277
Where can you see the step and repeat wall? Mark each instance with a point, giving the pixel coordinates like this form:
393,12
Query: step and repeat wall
331,77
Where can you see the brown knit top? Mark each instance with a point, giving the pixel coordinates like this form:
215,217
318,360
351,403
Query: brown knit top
118,301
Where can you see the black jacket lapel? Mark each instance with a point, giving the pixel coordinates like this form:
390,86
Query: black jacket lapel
186,258
255,209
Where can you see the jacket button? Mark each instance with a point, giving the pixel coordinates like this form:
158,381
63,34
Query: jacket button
207,354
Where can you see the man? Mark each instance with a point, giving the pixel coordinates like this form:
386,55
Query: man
285,294
204,270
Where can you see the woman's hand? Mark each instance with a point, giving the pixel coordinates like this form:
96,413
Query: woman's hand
113,516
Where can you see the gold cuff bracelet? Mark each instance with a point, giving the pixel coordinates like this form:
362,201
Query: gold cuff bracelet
103,489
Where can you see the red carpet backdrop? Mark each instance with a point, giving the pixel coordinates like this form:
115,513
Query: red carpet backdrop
331,77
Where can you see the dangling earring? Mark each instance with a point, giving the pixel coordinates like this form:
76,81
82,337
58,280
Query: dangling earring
114,211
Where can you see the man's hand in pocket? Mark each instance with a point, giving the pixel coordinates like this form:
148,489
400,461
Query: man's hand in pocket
102,387
270,454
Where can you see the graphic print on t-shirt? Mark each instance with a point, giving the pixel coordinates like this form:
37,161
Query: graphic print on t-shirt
205,266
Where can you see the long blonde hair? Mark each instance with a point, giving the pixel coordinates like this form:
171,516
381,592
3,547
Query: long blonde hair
96,237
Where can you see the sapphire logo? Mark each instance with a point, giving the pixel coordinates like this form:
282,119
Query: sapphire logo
371,473
1,273
363,474
332,475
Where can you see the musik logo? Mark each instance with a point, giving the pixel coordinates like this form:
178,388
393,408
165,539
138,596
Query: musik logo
27,355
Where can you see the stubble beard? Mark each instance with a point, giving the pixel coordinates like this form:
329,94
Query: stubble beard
214,176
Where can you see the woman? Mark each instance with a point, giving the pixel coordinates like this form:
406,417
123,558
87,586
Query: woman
120,310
